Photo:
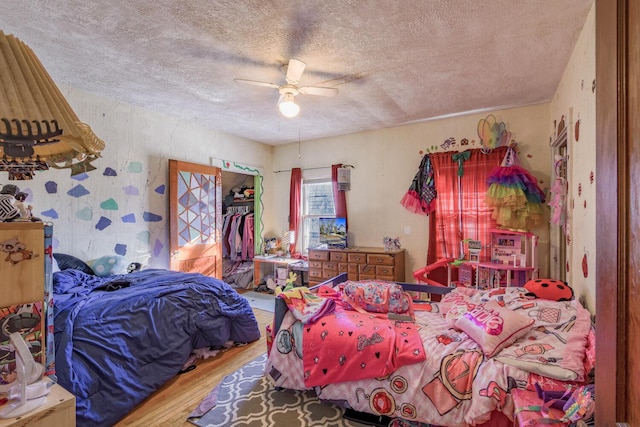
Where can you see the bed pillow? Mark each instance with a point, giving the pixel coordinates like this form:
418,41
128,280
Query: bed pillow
66,262
54,265
110,265
493,327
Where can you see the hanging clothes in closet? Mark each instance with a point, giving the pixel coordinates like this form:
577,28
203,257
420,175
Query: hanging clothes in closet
237,232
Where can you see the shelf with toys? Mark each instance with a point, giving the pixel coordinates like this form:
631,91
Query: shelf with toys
514,259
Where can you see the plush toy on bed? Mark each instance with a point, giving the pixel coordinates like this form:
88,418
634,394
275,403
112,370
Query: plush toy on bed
551,289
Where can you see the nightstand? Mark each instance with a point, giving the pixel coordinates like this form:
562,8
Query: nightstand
59,410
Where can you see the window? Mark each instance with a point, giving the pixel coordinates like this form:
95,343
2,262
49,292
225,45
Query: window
317,201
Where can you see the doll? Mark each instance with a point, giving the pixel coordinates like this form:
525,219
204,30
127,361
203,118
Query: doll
8,211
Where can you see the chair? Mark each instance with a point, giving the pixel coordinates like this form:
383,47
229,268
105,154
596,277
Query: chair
421,275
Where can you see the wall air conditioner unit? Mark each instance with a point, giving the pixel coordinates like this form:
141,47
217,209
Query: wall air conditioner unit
344,178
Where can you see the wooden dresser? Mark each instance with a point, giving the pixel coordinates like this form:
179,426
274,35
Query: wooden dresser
359,263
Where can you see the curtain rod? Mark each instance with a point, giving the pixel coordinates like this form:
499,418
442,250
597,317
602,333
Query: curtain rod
318,167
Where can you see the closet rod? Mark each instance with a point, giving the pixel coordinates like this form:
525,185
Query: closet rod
318,167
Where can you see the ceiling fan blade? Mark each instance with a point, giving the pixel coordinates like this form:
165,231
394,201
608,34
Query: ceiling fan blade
294,71
322,91
256,83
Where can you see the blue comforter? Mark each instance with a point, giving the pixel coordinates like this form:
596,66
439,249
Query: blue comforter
119,338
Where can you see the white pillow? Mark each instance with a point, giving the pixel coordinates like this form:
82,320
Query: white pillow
493,327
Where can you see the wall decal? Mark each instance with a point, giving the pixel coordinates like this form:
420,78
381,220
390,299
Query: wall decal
585,266
144,237
449,142
78,191
585,204
593,86
577,130
109,205
134,167
103,223
51,187
131,218
151,217
80,176
51,213
130,190
464,141
157,248
591,177
160,189
493,134
120,249
579,189
85,214
109,172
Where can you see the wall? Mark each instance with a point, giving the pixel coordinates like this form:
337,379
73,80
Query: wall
122,206
575,99
385,163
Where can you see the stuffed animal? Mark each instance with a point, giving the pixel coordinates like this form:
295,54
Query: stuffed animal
551,289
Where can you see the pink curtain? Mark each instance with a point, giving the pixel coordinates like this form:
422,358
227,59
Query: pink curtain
295,194
339,197
460,209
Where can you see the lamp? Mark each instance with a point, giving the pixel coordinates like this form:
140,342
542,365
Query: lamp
288,106
38,128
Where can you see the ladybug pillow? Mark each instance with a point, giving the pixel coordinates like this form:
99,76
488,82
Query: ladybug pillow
551,289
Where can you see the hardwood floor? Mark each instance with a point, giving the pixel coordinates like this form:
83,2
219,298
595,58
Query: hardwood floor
171,405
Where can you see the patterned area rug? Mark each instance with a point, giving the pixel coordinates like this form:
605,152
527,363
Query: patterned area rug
246,398
260,300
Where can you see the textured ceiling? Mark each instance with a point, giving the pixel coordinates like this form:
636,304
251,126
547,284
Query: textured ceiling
392,61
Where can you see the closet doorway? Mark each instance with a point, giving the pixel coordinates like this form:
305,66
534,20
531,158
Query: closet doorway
241,223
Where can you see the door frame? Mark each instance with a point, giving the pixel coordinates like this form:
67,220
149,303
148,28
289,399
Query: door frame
617,163
258,206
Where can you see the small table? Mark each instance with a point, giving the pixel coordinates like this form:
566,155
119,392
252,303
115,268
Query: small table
273,260
58,410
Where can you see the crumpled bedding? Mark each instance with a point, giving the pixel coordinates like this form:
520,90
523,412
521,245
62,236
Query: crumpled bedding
457,385
120,338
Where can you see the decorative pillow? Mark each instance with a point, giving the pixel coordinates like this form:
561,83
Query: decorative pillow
493,327
66,262
454,304
110,265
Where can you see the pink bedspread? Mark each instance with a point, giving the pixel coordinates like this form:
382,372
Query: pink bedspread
456,385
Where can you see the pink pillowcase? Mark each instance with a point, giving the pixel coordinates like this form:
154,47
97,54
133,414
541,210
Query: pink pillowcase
493,327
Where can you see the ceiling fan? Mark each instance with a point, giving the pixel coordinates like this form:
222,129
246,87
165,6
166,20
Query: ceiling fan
289,90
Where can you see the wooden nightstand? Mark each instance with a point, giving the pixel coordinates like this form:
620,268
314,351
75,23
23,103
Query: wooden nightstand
59,410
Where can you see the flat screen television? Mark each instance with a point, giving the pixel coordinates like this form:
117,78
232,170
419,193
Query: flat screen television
333,232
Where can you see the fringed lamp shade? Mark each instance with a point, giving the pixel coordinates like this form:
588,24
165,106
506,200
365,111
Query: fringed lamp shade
38,128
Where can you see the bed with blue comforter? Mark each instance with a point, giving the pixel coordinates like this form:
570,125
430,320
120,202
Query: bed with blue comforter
120,338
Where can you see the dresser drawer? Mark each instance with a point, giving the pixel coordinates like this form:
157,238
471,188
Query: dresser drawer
330,266
380,259
338,256
315,264
319,255
328,274
363,276
343,267
367,269
315,274
384,270
357,258
352,268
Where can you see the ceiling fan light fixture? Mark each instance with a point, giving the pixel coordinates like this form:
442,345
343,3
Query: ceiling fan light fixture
288,106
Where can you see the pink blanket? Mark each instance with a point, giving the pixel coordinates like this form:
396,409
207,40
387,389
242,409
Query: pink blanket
348,345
